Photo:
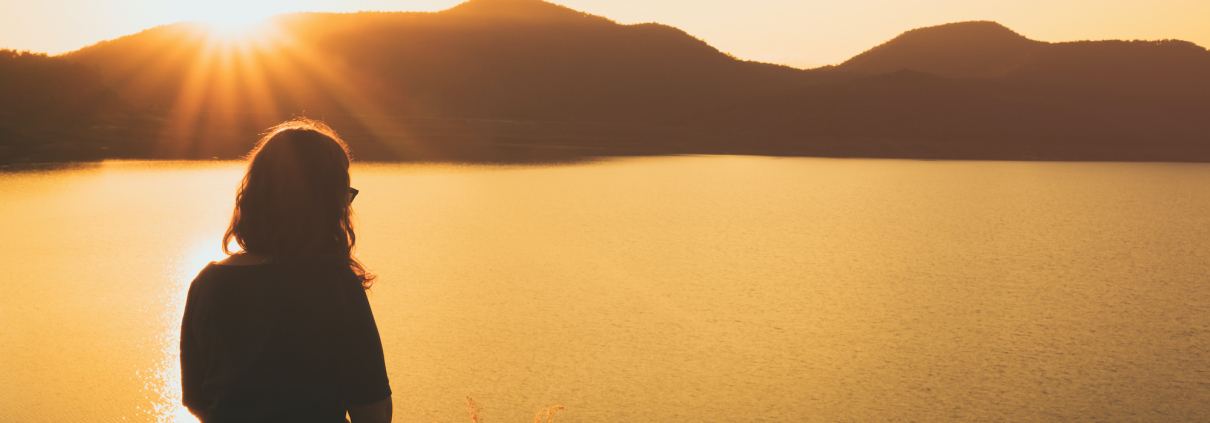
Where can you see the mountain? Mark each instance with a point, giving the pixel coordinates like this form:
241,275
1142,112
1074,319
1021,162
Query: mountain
911,114
503,80
1075,101
485,59
373,74
977,90
1165,69
984,49
54,109
978,49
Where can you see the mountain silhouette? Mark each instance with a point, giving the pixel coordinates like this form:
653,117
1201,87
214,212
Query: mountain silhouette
985,49
490,59
1164,69
979,90
978,49
526,79
38,86
49,107
917,115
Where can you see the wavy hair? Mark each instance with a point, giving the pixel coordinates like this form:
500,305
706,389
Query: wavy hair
293,204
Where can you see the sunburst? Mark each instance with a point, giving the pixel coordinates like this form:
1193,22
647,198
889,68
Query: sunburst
241,70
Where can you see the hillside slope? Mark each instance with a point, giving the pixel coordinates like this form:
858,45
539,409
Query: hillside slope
510,80
52,109
487,59
977,49
979,90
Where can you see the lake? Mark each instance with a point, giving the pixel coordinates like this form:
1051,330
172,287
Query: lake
697,288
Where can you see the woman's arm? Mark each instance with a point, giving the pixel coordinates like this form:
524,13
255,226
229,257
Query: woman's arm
362,368
378,412
192,369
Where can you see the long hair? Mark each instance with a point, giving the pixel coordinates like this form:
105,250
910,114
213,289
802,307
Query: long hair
293,203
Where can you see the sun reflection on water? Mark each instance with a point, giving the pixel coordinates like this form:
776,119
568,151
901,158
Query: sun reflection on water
167,378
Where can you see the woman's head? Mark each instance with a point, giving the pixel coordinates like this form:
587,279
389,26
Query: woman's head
293,204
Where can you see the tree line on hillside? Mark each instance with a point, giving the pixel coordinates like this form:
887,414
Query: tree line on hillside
55,109
39,87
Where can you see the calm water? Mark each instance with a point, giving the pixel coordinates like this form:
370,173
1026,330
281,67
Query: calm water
660,289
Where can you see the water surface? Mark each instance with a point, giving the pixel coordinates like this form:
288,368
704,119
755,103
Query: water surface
660,289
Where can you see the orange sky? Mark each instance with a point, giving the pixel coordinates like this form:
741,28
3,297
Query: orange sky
795,32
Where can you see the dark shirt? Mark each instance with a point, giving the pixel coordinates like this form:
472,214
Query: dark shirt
277,342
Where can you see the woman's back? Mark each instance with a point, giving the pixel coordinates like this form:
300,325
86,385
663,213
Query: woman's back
292,338
279,342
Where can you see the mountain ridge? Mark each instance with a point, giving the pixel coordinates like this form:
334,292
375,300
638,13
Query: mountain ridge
514,79
956,50
414,54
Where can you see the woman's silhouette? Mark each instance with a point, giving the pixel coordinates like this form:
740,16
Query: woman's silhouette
282,330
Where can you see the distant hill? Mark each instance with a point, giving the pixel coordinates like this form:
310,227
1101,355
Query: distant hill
491,59
916,115
526,79
978,49
368,73
54,109
1166,69
38,86
979,90
984,49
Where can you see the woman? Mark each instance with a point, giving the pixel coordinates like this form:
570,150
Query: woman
282,330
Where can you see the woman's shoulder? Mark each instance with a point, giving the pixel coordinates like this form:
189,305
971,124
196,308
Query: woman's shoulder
247,268
244,259
235,267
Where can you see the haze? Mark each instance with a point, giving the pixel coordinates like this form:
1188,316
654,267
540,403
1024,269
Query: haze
793,32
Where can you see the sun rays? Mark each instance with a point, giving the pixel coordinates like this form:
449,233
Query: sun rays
240,78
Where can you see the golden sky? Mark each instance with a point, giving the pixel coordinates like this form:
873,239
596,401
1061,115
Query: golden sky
802,33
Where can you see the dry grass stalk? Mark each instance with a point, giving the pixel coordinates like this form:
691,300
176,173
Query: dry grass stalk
473,408
550,412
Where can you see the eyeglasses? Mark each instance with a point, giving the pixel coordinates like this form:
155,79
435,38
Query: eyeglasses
352,194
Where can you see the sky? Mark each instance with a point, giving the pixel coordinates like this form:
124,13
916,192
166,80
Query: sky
801,33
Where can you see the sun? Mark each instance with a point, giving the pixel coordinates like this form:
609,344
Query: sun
242,33
233,29
232,18
242,62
